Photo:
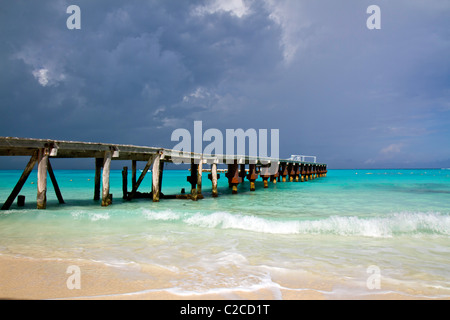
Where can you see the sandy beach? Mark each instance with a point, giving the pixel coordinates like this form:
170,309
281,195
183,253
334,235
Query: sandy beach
25,278
38,279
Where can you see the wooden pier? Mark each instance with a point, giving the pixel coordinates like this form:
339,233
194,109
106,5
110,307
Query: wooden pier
238,169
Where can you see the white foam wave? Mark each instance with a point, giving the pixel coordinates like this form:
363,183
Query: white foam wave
80,214
165,215
227,220
380,226
99,216
389,225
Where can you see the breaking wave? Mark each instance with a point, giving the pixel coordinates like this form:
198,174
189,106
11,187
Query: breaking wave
404,223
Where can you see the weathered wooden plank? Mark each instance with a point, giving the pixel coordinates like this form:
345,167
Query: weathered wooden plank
23,178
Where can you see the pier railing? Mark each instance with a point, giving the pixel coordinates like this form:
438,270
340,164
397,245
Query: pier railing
302,158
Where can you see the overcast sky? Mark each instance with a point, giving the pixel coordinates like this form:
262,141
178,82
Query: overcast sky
138,70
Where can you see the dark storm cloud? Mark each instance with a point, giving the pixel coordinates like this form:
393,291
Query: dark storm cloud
138,70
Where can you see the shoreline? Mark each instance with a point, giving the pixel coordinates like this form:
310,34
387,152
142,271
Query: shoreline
23,278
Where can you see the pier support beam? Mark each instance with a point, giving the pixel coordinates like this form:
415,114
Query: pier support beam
291,172
265,176
242,172
193,179
252,176
161,172
133,173
42,178
199,177
296,172
284,171
98,173
233,177
55,183
276,175
141,177
125,182
156,175
23,178
213,176
106,198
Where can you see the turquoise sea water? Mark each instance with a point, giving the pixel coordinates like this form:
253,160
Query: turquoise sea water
333,229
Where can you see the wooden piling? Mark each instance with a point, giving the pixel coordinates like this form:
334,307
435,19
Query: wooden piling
192,179
291,172
155,178
265,176
242,172
21,201
297,172
215,194
42,178
161,171
233,176
125,182
106,199
133,173
23,178
98,173
252,176
199,177
284,171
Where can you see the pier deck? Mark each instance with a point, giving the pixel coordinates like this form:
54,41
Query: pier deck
41,151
